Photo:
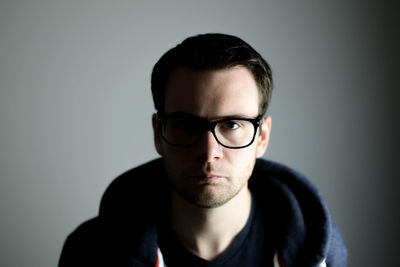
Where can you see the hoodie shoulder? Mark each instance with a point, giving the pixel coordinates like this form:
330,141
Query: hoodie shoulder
308,233
123,234
144,182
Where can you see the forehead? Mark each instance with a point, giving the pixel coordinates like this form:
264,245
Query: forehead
212,93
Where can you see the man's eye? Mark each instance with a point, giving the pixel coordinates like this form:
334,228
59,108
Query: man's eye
183,124
230,125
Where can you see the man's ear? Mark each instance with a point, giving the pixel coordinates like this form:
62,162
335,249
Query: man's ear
263,138
157,135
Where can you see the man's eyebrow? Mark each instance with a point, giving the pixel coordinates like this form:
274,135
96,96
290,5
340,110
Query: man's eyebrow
182,115
233,116
185,115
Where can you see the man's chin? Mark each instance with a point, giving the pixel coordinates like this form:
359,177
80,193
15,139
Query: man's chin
206,204
207,199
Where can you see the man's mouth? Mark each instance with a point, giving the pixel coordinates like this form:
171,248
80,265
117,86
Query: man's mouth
207,178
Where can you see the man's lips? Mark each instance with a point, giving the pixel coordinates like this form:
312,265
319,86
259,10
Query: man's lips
207,177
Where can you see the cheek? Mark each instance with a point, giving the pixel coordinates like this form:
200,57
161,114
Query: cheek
175,159
174,153
242,161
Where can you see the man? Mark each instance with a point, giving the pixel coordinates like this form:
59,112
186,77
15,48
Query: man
209,201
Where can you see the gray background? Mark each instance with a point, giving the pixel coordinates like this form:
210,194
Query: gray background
75,108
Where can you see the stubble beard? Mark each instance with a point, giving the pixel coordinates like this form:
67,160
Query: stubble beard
206,194
210,194
208,198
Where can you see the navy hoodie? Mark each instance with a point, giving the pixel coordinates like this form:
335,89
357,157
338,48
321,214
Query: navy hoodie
125,231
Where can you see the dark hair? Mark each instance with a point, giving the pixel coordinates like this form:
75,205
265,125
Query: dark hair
212,51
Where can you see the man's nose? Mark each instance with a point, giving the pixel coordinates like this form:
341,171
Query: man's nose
208,148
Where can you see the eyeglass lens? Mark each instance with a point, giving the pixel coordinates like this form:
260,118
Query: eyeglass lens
230,133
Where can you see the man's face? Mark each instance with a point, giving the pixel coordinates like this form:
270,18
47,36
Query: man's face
208,174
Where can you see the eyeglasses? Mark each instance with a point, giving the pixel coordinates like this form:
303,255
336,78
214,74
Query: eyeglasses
186,130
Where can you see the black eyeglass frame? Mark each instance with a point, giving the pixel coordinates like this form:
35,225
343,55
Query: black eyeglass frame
209,126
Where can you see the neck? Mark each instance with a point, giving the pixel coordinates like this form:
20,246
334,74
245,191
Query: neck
207,232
